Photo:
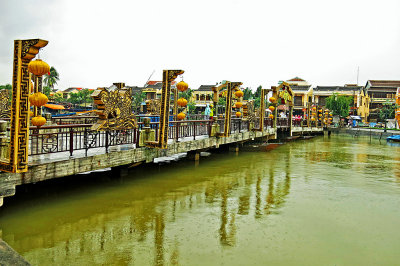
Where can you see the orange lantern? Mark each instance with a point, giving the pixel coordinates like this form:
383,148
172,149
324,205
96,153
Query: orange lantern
271,116
38,99
238,104
182,102
38,67
238,114
314,108
38,121
182,86
271,108
272,99
181,116
239,93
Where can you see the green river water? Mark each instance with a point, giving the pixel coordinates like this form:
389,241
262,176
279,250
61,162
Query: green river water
324,201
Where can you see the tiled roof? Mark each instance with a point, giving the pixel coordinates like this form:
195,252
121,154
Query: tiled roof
337,88
384,83
156,82
205,88
296,79
300,87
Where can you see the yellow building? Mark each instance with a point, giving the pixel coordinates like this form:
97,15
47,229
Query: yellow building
202,96
302,94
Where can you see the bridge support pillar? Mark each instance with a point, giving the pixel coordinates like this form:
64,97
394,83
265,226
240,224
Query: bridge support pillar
234,148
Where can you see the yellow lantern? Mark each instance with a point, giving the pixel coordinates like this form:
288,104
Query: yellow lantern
314,114
331,114
238,114
271,108
272,99
182,102
239,93
181,116
314,108
38,67
320,115
271,116
182,86
38,121
320,110
312,118
38,99
238,104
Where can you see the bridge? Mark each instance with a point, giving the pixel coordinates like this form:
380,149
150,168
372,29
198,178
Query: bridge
68,146
33,149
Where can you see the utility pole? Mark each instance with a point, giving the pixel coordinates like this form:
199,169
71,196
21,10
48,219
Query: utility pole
358,73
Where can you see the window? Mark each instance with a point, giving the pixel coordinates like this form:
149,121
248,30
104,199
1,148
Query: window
298,101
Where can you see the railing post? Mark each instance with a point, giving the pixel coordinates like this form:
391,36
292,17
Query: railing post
194,130
240,124
107,141
85,141
71,141
177,131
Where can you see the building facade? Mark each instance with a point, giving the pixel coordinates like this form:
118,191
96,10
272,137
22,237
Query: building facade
380,92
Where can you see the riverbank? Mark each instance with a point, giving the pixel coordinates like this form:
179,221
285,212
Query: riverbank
375,133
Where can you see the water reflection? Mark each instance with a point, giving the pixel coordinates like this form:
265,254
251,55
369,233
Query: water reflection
153,220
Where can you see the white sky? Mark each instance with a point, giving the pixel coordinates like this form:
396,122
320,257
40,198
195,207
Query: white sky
95,43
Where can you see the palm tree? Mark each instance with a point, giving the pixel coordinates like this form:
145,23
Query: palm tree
51,78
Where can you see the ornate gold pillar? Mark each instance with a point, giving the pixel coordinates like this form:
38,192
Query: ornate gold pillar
24,52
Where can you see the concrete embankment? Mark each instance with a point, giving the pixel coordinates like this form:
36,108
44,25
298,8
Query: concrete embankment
375,133
8,256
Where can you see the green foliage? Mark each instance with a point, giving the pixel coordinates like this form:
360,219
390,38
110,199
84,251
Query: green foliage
186,94
81,97
6,87
191,108
257,93
51,80
247,94
339,104
388,111
222,101
137,100
46,91
58,98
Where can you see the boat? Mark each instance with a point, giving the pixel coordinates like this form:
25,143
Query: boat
393,138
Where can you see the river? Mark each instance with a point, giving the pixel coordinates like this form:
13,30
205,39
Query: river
323,201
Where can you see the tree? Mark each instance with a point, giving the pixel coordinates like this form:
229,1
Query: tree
137,100
339,104
388,111
6,87
247,94
51,78
47,91
186,94
9,88
82,96
191,107
257,93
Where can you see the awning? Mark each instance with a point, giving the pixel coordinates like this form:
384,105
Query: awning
355,117
282,107
54,106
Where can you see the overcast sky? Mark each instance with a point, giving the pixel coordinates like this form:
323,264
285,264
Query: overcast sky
95,43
